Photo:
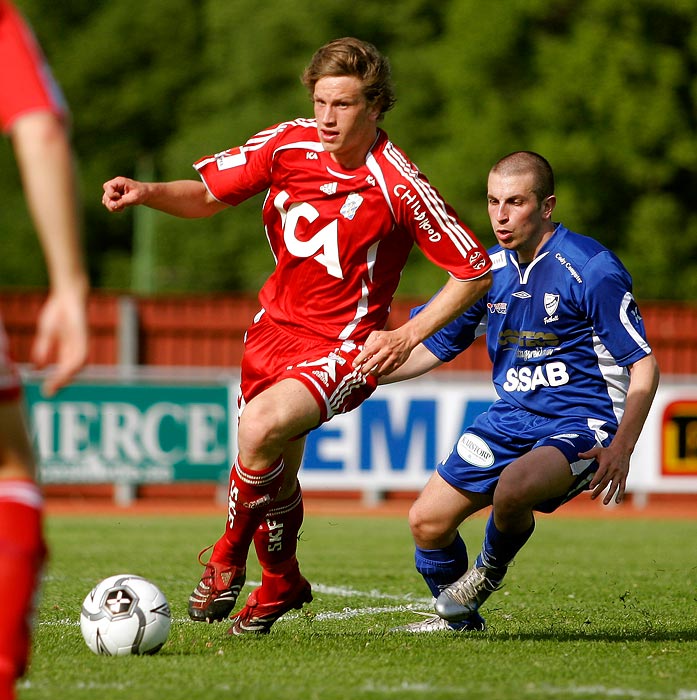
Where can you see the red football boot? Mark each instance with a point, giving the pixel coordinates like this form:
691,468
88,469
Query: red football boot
216,594
257,617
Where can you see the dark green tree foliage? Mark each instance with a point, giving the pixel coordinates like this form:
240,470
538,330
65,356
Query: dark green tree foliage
606,89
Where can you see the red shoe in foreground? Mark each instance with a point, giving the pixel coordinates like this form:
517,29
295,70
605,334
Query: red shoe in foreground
257,618
216,594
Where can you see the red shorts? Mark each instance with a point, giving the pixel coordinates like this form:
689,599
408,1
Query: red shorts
325,368
26,83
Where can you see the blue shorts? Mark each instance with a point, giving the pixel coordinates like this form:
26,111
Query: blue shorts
504,433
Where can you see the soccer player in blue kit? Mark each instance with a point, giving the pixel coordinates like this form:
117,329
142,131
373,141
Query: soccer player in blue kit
575,379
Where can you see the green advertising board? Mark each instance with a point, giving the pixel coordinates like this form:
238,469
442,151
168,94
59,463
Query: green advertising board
131,433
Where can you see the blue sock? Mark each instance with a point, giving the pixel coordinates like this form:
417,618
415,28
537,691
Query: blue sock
441,567
500,548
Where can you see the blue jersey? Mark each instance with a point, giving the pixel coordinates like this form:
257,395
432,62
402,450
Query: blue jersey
560,330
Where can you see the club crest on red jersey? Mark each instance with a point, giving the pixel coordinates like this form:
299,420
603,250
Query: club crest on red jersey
350,207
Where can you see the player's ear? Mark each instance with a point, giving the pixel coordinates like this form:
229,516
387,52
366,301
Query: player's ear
548,206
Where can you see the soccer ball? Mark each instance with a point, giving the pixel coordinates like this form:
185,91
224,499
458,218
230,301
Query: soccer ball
123,615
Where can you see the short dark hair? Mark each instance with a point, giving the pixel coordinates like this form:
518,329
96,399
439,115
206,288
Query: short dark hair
520,162
353,57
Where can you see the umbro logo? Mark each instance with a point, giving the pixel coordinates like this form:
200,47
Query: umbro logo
329,188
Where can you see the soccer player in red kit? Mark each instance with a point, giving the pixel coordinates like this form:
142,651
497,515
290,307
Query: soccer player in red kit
33,114
343,208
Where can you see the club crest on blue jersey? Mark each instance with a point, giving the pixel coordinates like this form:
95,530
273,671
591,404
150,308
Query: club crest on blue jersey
551,303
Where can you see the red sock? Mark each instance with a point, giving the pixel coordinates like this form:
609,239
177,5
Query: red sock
276,544
22,553
276,539
250,495
280,584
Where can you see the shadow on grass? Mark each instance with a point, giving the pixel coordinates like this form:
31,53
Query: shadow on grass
611,637
309,632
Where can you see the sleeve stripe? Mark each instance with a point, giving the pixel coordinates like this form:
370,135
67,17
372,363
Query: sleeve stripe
459,236
259,140
624,318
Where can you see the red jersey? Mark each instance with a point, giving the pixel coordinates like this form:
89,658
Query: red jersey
26,83
340,237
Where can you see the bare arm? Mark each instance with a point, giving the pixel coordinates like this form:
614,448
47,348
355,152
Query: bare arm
420,361
188,199
385,351
613,461
45,163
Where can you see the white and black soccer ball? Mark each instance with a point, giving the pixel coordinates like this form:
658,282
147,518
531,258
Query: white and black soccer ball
125,614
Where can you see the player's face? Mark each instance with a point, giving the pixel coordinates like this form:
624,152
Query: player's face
520,222
346,123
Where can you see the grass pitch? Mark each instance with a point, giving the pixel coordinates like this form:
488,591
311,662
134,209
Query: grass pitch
592,609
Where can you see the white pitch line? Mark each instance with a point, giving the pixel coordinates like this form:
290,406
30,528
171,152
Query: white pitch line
373,594
348,613
65,622
542,690
344,592
407,687
618,693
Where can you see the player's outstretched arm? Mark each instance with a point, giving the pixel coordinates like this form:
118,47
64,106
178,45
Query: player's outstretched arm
613,461
421,360
188,199
385,351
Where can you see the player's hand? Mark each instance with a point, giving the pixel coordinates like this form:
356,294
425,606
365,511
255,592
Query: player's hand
384,352
122,192
613,467
61,337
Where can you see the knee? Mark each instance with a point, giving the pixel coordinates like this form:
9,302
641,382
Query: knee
510,501
426,530
258,427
